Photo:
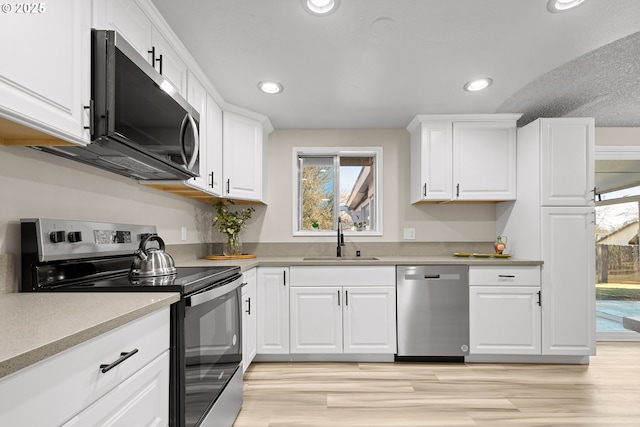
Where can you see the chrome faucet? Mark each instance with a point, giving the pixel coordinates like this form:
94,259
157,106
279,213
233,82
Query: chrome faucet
340,239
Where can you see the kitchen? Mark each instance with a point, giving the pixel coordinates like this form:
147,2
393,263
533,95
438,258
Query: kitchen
36,184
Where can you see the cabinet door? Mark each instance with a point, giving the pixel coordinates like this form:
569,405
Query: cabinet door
249,324
484,161
214,147
431,157
567,162
273,310
142,400
504,320
46,66
568,281
316,319
128,19
168,63
197,97
369,319
242,154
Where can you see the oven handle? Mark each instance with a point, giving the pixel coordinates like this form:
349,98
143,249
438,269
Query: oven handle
213,293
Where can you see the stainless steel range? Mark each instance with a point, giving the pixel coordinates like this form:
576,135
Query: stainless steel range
206,325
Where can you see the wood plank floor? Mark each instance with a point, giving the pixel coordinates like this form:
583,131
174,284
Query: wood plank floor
604,393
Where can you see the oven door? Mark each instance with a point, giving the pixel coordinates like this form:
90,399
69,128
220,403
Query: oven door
213,346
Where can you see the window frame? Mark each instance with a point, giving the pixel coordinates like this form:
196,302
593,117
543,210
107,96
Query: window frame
375,152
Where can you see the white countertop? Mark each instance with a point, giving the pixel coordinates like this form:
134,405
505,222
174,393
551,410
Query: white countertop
34,326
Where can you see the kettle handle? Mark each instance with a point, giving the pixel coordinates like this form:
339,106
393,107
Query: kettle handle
148,238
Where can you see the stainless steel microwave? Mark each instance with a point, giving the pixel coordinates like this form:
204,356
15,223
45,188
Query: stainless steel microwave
141,127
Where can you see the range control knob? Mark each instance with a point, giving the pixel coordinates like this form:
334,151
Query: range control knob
57,236
74,236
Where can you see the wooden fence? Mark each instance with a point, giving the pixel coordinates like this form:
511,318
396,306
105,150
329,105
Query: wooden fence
617,263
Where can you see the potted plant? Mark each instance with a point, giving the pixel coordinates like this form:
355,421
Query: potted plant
360,225
231,223
315,225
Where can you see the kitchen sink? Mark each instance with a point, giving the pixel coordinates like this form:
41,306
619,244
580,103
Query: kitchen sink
343,258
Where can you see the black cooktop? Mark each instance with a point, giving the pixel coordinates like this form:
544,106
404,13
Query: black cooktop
187,280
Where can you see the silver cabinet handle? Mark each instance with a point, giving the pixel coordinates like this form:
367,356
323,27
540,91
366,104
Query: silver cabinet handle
507,276
123,356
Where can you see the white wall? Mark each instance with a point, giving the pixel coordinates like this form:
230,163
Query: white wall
36,184
433,223
618,136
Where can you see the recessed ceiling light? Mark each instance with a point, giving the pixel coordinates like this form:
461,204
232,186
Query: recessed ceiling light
320,7
556,6
270,87
478,84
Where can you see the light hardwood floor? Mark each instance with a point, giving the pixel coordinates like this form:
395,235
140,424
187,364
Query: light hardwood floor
604,393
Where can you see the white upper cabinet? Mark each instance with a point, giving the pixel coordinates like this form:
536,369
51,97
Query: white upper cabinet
484,166
213,160
432,162
463,158
197,97
210,155
244,143
567,162
129,19
46,86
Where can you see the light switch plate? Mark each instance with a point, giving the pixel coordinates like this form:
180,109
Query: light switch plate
409,234
184,233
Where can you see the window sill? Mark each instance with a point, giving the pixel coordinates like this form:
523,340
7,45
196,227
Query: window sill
347,233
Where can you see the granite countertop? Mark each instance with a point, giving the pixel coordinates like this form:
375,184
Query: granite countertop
631,323
246,264
34,326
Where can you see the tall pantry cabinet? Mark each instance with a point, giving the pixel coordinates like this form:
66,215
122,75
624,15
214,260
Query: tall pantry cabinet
553,220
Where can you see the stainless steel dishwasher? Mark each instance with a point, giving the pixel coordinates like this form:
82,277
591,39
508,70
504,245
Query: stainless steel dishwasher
433,312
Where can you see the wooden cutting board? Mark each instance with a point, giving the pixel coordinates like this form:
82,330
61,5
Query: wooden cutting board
220,257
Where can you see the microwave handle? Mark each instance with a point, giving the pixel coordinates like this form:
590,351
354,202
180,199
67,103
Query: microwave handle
196,141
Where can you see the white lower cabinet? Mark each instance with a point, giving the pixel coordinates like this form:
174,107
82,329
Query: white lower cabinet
343,310
505,310
369,320
505,320
568,278
273,310
249,325
74,387
316,319
139,401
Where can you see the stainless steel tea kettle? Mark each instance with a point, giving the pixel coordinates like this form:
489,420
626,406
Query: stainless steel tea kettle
153,261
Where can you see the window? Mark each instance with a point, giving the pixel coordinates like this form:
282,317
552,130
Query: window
337,183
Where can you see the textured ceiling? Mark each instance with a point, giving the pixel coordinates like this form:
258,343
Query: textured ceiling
604,83
378,63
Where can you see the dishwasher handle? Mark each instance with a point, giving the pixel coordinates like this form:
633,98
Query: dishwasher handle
431,276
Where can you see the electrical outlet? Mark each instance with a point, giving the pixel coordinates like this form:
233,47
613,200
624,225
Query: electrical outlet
184,233
409,234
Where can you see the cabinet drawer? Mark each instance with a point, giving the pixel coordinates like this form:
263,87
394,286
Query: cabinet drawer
148,388
343,276
508,276
63,385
